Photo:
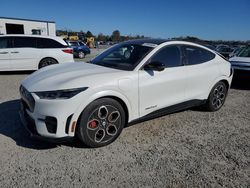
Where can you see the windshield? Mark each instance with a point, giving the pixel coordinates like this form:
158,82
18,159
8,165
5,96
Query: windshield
123,56
244,52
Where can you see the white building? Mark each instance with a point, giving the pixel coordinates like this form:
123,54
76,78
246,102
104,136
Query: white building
26,26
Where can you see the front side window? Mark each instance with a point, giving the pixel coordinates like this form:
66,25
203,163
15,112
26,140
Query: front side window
170,56
122,56
195,55
24,42
4,42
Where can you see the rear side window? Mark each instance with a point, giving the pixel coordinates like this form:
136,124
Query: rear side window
24,42
4,42
169,55
195,55
74,44
48,43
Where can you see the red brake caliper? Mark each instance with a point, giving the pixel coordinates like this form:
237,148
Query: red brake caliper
93,124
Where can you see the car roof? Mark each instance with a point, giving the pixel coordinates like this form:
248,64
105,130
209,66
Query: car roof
142,41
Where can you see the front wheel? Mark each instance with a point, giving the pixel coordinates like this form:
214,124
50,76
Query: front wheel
101,122
217,97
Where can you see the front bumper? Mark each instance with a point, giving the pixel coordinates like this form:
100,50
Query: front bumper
30,126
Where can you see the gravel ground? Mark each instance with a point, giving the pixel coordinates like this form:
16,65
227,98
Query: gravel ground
185,149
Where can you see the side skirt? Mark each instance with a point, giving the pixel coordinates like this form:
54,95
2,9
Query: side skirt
168,110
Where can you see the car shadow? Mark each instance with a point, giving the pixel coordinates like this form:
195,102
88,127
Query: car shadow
10,126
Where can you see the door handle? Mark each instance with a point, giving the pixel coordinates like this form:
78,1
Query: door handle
15,52
4,52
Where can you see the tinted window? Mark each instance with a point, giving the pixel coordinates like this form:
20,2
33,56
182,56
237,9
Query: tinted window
48,43
195,55
4,42
24,42
122,56
245,52
170,56
73,44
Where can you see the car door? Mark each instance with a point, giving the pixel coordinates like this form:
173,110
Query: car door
160,89
25,55
201,71
5,53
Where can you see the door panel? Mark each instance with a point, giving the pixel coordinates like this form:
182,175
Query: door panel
25,58
25,54
202,69
158,90
4,59
4,53
200,77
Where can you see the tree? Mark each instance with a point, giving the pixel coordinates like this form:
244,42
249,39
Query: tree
101,37
89,34
116,36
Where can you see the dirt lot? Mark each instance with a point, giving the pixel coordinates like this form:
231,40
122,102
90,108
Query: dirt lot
186,149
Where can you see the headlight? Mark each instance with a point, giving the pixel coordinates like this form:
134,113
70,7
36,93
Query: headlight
60,94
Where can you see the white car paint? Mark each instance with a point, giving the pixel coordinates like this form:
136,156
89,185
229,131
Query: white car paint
28,58
142,91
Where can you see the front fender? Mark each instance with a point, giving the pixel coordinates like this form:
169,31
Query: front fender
101,94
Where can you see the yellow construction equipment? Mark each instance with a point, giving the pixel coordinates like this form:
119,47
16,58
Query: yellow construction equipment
90,42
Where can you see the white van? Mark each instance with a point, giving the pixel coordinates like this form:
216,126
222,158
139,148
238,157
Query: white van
31,52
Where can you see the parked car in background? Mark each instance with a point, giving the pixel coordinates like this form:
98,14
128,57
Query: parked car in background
224,50
29,52
80,49
242,60
95,100
235,51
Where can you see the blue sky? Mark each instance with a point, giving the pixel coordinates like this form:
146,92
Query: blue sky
206,19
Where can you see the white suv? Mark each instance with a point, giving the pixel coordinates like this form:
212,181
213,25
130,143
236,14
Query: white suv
131,81
31,52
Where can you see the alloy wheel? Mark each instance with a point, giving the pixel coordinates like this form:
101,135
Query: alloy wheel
103,124
219,95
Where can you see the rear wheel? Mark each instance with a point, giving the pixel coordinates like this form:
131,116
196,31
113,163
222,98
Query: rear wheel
101,122
47,61
81,55
217,97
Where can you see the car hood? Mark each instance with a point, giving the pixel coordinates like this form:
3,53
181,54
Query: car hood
240,59
66,76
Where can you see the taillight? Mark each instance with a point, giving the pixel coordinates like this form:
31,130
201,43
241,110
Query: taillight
69,51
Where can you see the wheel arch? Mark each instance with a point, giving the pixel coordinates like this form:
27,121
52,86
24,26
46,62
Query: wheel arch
107,94
47,58
224,79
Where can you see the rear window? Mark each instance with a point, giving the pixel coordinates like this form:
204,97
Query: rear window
195,55
49,43
24,42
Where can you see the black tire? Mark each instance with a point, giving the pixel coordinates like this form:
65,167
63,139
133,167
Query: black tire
101,122
216,97
46,62
81,55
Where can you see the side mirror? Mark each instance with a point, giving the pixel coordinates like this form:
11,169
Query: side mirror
155,66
